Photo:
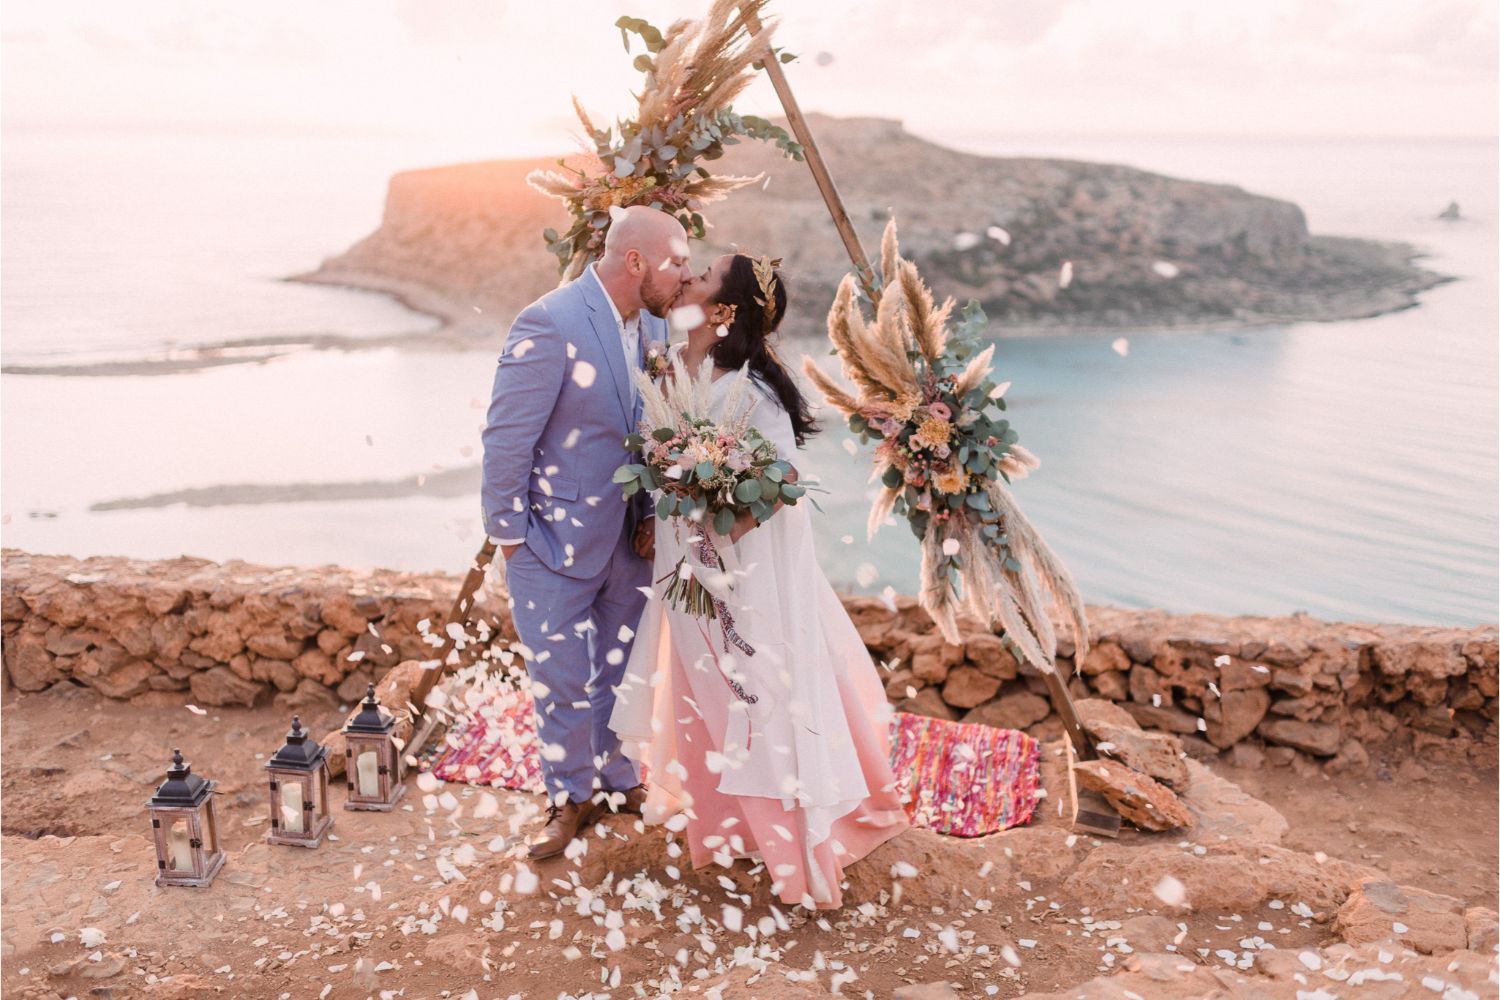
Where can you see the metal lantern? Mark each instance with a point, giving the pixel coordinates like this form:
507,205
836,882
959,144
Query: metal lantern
372,765
182,822
299,790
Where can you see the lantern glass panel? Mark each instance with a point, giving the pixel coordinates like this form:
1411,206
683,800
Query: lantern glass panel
179,846
291,805
211,834
368,770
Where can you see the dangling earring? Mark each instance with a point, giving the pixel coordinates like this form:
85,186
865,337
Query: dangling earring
722,329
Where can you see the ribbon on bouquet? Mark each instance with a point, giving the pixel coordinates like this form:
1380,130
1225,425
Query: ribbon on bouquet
707,551
704,559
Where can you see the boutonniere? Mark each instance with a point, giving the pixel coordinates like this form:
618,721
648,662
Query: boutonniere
656,363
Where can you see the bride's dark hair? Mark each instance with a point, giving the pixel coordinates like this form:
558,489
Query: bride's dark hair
747,336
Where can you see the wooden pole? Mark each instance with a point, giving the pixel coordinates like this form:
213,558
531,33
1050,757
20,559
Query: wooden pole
814,157
463,606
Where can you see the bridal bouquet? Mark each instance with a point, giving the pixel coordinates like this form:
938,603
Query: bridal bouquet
692,72
703,470
944,455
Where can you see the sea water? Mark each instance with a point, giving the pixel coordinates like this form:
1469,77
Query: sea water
1347,469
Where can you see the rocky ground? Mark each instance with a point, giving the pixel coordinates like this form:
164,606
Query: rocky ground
1361,883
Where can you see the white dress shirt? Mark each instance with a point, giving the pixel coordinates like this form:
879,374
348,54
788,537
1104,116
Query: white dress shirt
630,332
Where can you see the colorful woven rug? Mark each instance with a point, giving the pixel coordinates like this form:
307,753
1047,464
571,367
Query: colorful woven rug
965,780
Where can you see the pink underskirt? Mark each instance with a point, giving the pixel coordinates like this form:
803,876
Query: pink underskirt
754,819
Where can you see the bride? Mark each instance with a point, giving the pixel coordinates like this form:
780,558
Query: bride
767,727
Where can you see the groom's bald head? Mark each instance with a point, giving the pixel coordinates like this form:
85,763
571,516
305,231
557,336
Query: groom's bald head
646,230
645,260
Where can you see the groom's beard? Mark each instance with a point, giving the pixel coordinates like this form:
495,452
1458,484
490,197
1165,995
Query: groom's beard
659,300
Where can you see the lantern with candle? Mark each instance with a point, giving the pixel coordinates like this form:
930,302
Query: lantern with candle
183,825
372,763
299,790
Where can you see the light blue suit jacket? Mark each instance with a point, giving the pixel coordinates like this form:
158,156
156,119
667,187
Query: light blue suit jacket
559,413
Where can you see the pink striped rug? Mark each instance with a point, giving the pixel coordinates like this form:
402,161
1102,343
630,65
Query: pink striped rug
965,780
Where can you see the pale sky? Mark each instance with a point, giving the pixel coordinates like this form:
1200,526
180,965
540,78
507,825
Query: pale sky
497,73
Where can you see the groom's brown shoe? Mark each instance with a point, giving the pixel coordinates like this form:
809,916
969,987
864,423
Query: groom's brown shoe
563,826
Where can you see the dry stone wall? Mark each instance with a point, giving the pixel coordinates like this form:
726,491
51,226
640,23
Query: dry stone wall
235,633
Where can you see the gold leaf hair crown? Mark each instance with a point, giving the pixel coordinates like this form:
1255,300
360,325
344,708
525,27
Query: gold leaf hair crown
765,276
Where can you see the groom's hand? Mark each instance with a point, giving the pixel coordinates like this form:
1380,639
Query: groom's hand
645,539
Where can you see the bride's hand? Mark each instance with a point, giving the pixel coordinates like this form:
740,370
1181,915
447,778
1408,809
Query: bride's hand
743,522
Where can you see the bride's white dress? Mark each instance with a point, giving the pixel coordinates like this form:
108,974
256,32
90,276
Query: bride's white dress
768,726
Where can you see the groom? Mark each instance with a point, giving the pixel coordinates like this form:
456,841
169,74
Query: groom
563,402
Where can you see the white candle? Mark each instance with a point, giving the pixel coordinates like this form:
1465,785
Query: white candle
179,848
369,777
291,807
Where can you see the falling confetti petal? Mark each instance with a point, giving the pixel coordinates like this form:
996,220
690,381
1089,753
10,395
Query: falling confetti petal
583,374
196,710
1121,346
998,235
688,317
1065,274
1166,269
966,241
1170,891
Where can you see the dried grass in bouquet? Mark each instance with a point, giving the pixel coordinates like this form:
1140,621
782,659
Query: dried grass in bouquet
704,471
945,456
693,71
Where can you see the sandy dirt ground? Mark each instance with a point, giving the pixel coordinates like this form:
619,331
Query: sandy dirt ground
435,900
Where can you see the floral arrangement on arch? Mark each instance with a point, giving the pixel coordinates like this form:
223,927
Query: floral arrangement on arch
693,71
944,456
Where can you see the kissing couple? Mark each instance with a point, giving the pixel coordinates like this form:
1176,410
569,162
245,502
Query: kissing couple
775,745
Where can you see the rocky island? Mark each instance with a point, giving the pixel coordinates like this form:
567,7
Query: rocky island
1147,251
